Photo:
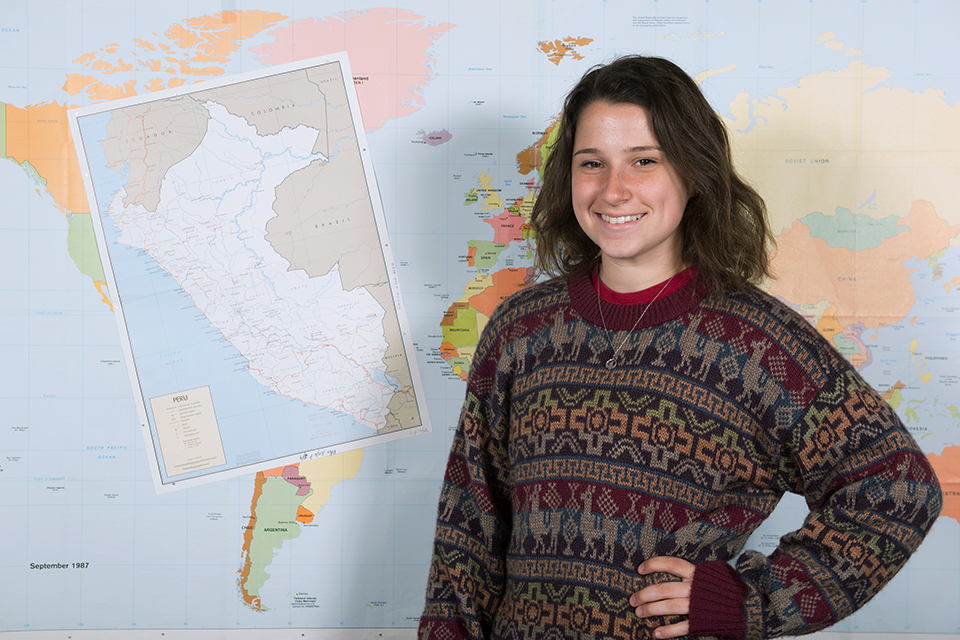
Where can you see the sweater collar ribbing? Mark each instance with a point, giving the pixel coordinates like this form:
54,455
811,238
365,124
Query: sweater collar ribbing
621,317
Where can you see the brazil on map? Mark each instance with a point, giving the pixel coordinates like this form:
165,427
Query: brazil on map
250,314
247,260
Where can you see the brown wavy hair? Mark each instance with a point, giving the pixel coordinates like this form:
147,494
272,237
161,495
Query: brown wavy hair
724,228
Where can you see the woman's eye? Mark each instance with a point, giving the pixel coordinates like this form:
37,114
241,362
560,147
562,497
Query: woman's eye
645,162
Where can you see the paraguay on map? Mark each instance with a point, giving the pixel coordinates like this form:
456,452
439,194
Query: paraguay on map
246,256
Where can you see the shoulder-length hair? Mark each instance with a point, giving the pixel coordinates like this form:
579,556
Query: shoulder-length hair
724,229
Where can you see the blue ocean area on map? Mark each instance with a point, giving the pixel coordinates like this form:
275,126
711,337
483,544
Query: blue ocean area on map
76,481
932,400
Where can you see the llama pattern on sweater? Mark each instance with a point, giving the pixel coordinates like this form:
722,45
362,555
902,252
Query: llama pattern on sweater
564,475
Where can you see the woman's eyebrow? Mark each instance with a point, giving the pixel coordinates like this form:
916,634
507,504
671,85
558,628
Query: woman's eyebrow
639,149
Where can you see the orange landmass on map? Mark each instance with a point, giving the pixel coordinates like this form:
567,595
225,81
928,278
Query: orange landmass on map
828,325
203,45
108,67
531,158
870,286
471,255
97,90
304,515
451,314
447,350
947,468
274,472
557,50
102,290
40,135
888,394
155,84
251,601
214,38
506,282
76,82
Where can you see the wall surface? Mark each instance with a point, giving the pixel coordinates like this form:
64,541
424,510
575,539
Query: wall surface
844,113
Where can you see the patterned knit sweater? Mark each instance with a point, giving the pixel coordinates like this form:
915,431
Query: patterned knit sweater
564,476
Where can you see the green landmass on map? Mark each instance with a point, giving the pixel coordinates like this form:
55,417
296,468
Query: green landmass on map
845,230
486,253
82,246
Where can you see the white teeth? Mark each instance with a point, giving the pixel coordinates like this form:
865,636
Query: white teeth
620,219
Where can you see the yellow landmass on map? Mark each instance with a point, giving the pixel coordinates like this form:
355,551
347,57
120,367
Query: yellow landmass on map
829,40
847,139
323,473
486,193
703,75
947,468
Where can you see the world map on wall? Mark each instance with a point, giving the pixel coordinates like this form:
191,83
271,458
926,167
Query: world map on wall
854,147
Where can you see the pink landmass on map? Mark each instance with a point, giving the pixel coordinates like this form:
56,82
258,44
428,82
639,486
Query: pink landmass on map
389,52
292,475
507,227
434,138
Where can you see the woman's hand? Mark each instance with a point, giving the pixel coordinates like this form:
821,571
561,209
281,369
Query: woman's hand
666,598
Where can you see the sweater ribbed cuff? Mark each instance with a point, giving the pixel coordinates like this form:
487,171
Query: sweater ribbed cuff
716,601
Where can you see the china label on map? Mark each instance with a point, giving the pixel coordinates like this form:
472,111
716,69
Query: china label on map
246,255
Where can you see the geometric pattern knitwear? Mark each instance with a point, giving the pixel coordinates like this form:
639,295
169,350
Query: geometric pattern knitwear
564,476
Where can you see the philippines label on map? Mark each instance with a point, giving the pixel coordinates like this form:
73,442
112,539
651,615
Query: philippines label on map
249,267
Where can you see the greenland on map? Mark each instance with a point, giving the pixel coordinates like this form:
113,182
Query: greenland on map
247,259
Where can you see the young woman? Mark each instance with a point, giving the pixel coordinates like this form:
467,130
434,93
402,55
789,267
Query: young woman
630,422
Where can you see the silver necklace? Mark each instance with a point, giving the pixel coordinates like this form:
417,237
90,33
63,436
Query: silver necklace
612,362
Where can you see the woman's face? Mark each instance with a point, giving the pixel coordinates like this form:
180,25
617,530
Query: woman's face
627,197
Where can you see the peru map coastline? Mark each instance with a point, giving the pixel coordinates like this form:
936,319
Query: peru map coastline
201,172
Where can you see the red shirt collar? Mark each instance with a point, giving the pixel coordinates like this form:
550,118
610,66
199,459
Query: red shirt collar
646,295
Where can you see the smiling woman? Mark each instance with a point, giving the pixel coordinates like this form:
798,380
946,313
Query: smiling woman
626,196
723,229
630,422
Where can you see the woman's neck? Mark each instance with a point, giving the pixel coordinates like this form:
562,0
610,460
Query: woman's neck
647,295
631,279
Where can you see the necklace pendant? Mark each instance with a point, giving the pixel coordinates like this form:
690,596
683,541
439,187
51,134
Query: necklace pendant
611,363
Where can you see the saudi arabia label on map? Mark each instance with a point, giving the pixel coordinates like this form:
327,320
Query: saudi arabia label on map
247,258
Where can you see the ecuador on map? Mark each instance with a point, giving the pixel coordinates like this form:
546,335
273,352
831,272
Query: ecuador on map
248,263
